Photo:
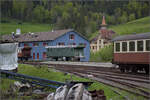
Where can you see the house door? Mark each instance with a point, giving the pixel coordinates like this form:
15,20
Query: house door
44,55
33,55
37,55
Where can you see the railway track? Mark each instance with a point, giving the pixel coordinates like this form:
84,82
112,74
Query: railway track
111,82
135,84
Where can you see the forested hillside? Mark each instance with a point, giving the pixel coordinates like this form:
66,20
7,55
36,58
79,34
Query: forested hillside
136,26
83,15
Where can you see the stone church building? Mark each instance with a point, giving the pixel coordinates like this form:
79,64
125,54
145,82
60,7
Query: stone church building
103,38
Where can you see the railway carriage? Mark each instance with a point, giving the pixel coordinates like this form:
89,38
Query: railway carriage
67,53
132,52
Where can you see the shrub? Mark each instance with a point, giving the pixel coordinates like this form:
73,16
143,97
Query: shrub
104,55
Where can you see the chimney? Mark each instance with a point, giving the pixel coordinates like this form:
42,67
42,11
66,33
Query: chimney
18,31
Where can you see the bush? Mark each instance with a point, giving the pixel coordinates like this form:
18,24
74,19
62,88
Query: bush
104,55
95,56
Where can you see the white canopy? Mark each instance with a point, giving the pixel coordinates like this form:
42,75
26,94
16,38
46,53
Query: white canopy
8,56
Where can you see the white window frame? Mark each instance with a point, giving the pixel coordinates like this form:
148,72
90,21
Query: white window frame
127,46
135,42
137,45
115,47
144,46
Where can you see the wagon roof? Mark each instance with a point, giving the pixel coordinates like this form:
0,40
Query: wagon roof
37,36
132,37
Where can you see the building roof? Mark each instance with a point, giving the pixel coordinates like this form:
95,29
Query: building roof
37,36
133,37
105,34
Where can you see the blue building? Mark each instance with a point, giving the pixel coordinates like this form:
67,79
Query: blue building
39,40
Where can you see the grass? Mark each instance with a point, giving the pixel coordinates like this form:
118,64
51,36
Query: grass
52,74
47,73
137,26
8,28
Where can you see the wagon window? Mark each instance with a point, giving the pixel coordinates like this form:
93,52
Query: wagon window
117,46
35,44
140,46
124,46
132,46
147,45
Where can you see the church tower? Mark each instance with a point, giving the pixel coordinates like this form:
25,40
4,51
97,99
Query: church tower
103,25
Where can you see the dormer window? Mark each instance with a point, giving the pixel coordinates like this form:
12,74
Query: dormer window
61,43
71,37
35,44
72,44
45,44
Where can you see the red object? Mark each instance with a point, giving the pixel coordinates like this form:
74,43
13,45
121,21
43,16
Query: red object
25,52
132,58
37,55
25,44
44,54
33,55
45,44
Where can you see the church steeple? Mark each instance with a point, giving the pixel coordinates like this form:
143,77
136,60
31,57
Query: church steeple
103,25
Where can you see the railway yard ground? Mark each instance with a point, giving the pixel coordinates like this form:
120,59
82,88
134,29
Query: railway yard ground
116,85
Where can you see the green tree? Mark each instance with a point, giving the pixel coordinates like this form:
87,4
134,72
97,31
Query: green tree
131,17
47,17
39,14
117,15
145,9
19,9
106,53
111,19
